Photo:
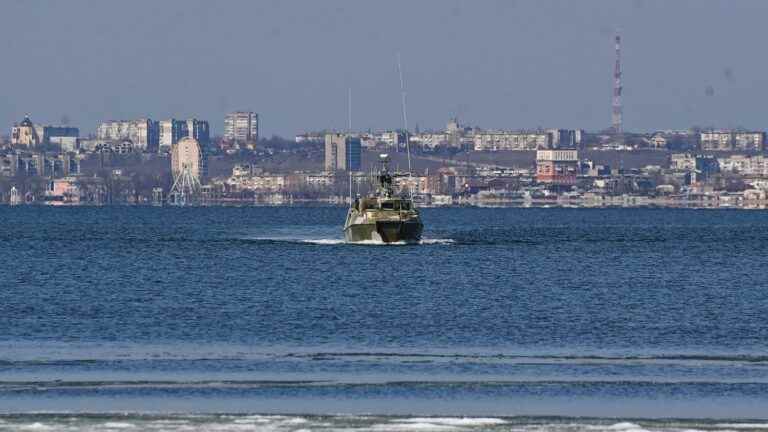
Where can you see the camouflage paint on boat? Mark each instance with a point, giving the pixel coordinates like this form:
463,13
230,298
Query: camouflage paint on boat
382,216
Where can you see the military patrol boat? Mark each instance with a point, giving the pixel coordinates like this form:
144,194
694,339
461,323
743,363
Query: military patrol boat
383,216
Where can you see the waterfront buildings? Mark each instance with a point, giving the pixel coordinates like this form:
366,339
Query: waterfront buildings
342,152
241,127
63,191
143,133
557,167
259,182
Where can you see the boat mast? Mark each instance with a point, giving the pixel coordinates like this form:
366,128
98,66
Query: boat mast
405,124
349,134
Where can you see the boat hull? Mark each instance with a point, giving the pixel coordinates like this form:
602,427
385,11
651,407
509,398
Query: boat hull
385,232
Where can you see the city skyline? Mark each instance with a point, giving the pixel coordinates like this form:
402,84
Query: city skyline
482,63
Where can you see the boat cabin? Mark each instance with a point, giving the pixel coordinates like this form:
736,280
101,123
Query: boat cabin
372,203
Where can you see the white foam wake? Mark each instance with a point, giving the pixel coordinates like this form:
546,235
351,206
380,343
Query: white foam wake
323,241
339,241
431,241
403,243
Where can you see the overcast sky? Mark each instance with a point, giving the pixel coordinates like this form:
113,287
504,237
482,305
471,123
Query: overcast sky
497,64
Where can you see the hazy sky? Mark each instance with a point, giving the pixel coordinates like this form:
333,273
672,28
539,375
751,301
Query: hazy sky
497,64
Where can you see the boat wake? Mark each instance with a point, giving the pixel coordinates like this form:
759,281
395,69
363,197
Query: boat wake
402,243
338,241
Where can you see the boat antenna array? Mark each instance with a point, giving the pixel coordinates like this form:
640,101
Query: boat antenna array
405,125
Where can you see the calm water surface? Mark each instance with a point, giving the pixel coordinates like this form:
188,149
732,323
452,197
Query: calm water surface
523,319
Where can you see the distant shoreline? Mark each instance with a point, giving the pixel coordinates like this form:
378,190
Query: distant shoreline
761,205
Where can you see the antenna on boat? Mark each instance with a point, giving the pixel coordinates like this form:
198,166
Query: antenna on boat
405,124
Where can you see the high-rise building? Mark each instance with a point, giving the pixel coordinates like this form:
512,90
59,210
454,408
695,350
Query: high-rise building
143,133
199,130
562,138
171,131
64,136
169,134
729,140
30,134
557,167
342,152
25,134
241,126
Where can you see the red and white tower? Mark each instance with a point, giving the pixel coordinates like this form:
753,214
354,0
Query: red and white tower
617,109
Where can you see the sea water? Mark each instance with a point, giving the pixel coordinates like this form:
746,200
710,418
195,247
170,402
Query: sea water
264,319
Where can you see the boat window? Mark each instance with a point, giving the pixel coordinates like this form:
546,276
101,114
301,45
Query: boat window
387,205
406,205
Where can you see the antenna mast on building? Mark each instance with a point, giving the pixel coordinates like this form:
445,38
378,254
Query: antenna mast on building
616,115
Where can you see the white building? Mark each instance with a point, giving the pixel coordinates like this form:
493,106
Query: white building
241,126
143,133
658,141
745,165
172,130
32,135
392,139
168,134
431,139
417,184
319,180
682,162
506,140
259,183
309,137
728,140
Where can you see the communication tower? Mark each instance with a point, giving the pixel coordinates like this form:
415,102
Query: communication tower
616,115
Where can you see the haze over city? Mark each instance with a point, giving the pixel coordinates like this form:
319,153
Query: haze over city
384,216
497,64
